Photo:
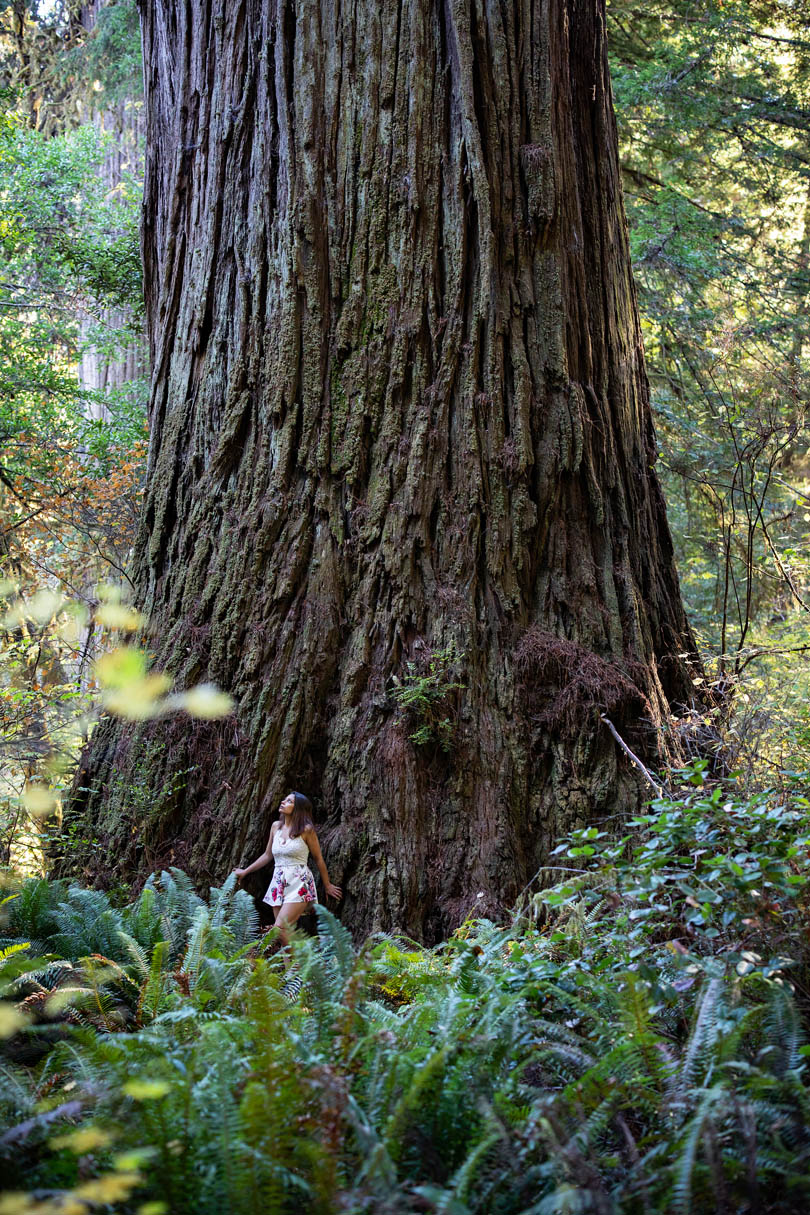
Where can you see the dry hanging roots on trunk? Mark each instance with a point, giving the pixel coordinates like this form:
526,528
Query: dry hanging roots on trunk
399,415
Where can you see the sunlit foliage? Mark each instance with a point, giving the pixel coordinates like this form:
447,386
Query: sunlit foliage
713,103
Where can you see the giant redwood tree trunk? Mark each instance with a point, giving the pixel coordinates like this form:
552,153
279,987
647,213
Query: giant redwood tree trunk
399,415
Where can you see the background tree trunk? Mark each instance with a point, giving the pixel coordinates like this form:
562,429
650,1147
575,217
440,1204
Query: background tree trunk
399,406
124,121
100,371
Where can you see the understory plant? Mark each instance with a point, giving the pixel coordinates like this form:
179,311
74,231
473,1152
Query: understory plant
632,1040
425,692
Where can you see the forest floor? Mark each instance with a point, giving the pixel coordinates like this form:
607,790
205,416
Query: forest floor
633,1039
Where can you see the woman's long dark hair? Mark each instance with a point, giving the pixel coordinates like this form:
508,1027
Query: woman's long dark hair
301,817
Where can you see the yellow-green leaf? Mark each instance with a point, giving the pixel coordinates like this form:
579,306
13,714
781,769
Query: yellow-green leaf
119,616
146,1090
38,800
109,1189
84,1139
140,699
205,700
11,1020
122,666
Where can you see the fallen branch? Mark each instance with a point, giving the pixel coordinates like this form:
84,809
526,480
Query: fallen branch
632,756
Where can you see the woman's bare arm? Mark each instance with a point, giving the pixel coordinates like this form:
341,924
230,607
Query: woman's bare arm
315,848
265,858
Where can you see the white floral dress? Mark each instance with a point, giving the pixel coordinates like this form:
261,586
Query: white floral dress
292,880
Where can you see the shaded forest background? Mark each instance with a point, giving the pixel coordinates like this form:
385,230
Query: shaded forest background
634,1037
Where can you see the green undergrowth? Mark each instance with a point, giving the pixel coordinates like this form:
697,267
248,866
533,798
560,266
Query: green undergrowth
632,1041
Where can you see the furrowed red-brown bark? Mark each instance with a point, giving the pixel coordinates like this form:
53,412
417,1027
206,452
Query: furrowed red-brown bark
399,402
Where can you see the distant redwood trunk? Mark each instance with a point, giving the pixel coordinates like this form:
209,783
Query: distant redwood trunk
399,409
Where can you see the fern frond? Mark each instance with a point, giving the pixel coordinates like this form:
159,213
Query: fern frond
467,1173
421,1078
155,985
683,1168
335,941
136,953
783,1031
142,919
702,1035
193,958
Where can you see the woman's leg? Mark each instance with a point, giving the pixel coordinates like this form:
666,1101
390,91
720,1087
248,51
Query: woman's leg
286,917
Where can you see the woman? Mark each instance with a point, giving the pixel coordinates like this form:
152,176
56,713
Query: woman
292,888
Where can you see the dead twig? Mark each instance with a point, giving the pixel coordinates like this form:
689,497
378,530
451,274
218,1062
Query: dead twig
632,755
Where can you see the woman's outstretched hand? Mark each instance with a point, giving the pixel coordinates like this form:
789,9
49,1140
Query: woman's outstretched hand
333,891
239,874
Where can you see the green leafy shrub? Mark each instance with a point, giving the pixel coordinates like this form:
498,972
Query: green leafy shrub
703,877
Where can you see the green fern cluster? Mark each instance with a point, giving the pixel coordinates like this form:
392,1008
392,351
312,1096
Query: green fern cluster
572,1060
425,695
